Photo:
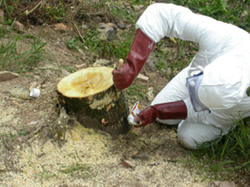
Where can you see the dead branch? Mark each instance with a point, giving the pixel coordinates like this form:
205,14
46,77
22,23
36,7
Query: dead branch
79,34
6,144
28,12
26,138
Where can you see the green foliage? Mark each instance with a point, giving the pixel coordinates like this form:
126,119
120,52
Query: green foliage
57,11
136,93
77,168
92,40
132,2
75,44
122,13
22,132
232,11
228,154
14,59
122,47
9,9
173,57
44,174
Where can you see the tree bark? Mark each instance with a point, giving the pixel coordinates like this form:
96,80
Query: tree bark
106,110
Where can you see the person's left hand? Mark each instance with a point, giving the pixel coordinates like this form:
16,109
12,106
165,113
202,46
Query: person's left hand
123,77
145,117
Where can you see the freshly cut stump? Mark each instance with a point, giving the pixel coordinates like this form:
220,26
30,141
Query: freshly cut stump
92,96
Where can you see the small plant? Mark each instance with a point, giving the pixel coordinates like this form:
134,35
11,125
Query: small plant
57,11
44,174
77,168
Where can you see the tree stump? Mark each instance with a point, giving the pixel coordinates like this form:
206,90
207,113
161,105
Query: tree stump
91,95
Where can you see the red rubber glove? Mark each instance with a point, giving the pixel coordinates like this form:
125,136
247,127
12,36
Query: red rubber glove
139,52
173,110
145,117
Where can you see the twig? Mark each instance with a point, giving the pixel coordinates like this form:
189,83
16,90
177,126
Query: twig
6,144
28,12
79,34
100,13
26,138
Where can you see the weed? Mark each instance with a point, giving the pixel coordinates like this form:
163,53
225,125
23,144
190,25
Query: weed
22,132
9,9
78,169
136,93
74,44
57,11
44,174
122,13
16,60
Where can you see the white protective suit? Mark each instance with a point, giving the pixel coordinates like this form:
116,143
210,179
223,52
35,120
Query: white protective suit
224,58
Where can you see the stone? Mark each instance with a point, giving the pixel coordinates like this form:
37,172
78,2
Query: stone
138,7
222,184
122,26
6,75
108,31
18,26
150,93
61,27
97,19
65,72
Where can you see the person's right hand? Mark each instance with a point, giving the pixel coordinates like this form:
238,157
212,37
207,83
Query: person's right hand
145,117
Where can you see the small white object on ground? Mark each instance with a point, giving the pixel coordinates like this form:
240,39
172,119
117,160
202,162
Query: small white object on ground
35,92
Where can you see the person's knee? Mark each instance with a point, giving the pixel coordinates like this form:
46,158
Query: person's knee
186,141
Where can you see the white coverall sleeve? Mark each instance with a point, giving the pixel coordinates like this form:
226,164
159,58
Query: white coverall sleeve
224,51
160,20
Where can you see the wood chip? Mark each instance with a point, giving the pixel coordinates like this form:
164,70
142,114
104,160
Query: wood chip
142,156
140,76
128,164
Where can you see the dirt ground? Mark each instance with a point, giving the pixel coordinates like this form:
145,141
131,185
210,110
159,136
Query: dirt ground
30,156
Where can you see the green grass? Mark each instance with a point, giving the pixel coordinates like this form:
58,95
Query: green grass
58,11
220,158
15,59
44,174
231,11
77,168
